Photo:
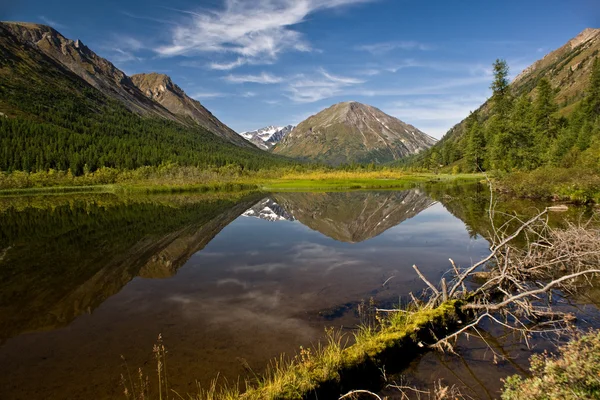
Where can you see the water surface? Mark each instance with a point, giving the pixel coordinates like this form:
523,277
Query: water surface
229,282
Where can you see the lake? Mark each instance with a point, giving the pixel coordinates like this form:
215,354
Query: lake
230,281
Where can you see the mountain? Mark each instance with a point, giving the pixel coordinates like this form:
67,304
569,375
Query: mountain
79,59
161,89
353,132
266,138
66,108
353,217
567,69
268,210
346,217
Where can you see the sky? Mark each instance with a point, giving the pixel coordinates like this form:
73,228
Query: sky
255,63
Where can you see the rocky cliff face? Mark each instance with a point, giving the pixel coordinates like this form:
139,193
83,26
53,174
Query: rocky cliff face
161,89
353,132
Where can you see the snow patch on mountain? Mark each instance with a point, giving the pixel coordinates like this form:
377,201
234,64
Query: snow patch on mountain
266,138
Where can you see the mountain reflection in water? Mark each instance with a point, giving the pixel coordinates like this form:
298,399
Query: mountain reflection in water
73,293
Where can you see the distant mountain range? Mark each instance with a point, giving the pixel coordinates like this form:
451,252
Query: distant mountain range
65,107
49,79
145,94
266,138
353,132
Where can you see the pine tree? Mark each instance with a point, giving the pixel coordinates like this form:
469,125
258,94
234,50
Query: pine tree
592,101
501,97
497,132
475,153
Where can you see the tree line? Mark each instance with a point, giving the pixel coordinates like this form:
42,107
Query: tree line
56,121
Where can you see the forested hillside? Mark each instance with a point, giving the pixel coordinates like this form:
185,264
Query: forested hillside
548,116
52,119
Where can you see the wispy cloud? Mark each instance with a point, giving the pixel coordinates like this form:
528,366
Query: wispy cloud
51,22
435,114
305,89
122,48
386,47
256,31
263,79
207,95
227,65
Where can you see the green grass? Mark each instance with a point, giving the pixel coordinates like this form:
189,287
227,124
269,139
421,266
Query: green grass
214,181
58,190
326,183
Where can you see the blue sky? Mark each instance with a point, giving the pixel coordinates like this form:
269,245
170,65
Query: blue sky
261,62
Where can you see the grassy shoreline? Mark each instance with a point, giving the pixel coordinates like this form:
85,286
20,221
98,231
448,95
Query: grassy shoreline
328,370
318,181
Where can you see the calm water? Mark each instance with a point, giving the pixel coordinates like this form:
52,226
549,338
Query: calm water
230,283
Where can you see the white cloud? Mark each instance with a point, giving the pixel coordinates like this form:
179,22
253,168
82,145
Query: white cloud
434,115
122,56
386,47
227,65
264,78
122,48
51,22
256,31
207,95
303,89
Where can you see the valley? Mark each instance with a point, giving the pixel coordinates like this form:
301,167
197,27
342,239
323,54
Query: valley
374,239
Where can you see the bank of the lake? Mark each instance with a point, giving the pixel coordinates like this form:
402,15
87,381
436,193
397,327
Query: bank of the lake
183,179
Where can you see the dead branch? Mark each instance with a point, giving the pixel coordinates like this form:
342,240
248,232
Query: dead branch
356,392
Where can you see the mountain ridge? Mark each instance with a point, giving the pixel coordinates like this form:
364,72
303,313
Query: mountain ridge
54,119
171,103
161,89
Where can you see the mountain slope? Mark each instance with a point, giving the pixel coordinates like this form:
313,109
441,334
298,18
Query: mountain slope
161,89
266,138
95,70
568,69
145,94
54,119
353,132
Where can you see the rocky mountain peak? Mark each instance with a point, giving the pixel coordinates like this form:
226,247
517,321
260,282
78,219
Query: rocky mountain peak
353,132
147,94
585,36
160,88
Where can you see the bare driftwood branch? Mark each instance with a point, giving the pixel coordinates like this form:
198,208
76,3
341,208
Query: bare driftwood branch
353,393
468,272
431,286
